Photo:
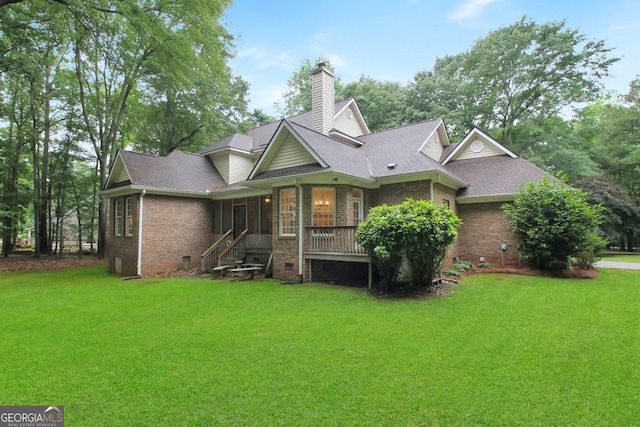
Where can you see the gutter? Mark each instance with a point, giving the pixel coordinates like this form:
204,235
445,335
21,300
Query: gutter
140,217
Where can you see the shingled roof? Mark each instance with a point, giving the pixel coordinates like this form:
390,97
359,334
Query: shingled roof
401,146
258,137
495,176
178,171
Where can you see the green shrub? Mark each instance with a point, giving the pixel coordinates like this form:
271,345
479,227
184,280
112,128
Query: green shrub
451,273
484,264
463,266
419,231
553,222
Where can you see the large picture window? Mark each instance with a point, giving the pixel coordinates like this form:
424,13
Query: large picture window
117,217
128,224
288,206
324,207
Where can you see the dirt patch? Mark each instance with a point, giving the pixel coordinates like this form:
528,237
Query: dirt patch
27,262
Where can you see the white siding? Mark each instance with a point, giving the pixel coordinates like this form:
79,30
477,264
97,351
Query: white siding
222,164
122,175
350,126
291,153
239,168
433,147
322,101
487,151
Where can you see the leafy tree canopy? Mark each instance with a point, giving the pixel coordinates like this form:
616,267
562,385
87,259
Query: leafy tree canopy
297,98
520,72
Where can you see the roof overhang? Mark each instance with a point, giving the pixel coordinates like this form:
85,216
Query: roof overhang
319,177
432,175
494,198
209,194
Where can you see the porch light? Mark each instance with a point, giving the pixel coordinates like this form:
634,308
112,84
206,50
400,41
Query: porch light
267,199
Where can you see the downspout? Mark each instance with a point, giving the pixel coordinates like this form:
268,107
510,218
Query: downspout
140,216
300,230
431,182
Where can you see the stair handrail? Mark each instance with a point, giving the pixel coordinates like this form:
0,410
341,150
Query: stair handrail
205,258
231,246
215,245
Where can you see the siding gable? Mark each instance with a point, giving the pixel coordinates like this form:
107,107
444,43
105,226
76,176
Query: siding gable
119,172
433,147
478,144
290,153
239,167
478,148
221,162
350,121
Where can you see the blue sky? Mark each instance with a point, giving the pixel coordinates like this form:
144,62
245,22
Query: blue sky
394,39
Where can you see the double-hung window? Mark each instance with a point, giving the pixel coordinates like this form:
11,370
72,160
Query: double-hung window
324,207
128,224
288,207
117,217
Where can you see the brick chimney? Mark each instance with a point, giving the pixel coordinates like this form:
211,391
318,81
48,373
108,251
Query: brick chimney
322,99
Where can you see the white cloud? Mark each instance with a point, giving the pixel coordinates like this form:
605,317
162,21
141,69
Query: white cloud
621,27
470,9
268,96
262,58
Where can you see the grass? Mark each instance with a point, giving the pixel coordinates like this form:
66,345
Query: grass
502,350
621,256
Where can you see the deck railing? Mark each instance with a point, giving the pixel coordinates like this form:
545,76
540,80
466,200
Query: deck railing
210,256
334,240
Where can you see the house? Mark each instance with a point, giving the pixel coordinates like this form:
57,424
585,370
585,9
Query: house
290,194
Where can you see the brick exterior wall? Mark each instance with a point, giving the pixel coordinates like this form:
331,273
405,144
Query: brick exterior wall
124,248
174,228
285,248
394,194
485,227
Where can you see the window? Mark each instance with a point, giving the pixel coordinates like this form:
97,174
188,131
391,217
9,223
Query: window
324,207
117,217
358,206
128,224
445,203
288,205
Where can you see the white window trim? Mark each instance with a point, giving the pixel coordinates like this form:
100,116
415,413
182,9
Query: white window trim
280,212
117,217
128,225
313,207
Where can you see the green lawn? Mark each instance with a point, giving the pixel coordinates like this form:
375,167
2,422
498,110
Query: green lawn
502,350
621,256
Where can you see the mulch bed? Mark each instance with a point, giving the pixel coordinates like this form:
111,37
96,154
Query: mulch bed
574,273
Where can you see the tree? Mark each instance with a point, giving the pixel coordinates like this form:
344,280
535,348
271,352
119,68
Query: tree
516,73
621,214
379,102
416,230
553,145
116,53
297,98
553,222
